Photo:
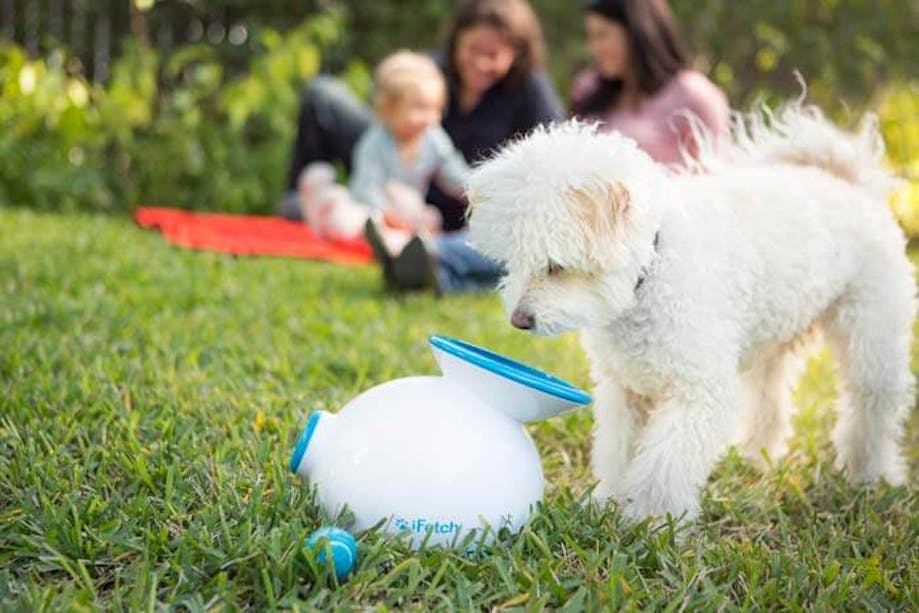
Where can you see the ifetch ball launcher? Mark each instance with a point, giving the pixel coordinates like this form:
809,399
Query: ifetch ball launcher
442,460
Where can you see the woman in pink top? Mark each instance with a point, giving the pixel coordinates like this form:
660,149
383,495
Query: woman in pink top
640,85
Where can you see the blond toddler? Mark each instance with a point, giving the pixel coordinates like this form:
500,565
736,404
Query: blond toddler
394,161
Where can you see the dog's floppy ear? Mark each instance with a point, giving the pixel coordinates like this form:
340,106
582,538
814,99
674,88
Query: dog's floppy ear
600,211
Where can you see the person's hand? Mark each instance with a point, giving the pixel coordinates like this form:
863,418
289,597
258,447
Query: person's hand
432,220
392,219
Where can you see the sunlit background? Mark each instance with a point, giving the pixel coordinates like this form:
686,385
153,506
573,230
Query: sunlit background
192,103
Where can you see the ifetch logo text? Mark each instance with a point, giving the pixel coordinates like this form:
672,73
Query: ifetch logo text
421,525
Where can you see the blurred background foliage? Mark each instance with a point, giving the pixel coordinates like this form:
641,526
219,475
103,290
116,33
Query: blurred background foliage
106,104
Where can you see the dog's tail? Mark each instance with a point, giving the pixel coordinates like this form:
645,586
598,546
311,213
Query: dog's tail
800,134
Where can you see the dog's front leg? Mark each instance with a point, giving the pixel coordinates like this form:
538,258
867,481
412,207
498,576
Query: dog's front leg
677,449
617,424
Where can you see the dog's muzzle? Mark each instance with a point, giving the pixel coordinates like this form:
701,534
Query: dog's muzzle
522,320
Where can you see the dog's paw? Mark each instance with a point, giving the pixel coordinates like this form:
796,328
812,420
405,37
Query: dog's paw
603,492
650,502
892,472
868,465
637,513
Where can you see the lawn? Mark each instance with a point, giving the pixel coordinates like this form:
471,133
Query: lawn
150,398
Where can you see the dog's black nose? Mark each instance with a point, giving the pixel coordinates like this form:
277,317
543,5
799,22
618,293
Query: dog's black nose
521,320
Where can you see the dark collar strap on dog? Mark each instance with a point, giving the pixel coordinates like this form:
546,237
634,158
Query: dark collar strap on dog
644,270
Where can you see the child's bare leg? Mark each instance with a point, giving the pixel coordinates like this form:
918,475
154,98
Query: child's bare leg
395,239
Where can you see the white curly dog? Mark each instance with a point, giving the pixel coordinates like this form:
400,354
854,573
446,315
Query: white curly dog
693,292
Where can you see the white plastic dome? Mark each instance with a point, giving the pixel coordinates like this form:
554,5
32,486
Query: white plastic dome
436,457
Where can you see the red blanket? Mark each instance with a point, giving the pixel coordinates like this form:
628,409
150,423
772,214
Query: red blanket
249,235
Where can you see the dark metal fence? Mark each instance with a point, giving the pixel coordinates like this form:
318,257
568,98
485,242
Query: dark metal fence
95,31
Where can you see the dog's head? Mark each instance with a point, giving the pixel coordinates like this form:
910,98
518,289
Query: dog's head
567,211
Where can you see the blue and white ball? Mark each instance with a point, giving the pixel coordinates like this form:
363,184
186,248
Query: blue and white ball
342,545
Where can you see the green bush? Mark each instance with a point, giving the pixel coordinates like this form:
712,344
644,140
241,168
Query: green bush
175,132
182,130
898,108
846,49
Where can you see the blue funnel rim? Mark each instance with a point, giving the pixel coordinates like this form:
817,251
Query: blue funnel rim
304,441
510,369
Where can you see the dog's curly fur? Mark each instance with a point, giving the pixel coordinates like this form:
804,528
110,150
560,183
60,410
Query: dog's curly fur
694,291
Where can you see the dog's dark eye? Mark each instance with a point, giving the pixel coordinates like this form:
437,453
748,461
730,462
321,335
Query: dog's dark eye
554,268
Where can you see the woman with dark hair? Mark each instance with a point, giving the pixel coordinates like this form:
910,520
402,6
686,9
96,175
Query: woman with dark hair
496,90
640,84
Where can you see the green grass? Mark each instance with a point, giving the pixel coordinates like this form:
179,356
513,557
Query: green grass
150,397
